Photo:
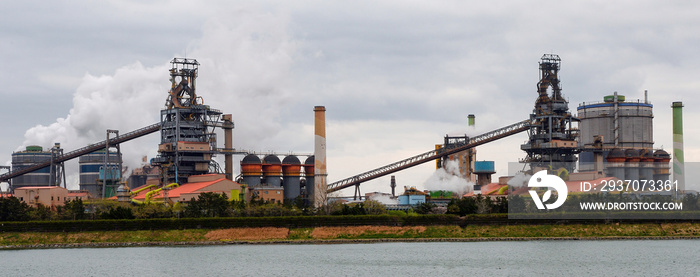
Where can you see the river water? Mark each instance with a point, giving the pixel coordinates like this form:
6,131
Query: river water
515,258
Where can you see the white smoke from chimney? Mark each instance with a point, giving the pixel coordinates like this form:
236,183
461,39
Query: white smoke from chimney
245,60
447,178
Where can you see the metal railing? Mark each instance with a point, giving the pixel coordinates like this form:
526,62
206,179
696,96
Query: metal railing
83,151
429,156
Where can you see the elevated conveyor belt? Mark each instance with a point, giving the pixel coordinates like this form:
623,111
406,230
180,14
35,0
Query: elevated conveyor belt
83,151
429,156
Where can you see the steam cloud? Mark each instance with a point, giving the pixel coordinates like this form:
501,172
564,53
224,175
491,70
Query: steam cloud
245,61
447,178
519,180
384,199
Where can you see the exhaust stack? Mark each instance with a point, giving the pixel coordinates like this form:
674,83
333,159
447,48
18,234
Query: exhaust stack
678,160
320,174
228,145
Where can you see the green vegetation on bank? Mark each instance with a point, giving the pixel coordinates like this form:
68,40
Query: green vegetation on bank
354,233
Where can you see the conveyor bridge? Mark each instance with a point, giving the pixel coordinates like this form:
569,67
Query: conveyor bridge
428,156
83,151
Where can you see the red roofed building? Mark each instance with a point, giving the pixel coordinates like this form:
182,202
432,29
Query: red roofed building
79,194
216,183
50,196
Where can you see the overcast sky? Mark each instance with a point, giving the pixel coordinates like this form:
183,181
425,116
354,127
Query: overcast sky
395,76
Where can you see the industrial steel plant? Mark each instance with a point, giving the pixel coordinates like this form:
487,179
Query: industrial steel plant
607,138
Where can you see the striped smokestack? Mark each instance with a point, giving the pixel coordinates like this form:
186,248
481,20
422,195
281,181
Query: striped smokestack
678,160
320,174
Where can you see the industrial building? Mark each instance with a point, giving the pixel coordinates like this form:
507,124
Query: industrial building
100,172
609,138
617,140
145,175
465,159
194,186
187,128
268,176
551,136
53,174
48,196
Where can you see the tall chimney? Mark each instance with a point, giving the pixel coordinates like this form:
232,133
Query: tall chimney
393,186
678,160
320,174
228,145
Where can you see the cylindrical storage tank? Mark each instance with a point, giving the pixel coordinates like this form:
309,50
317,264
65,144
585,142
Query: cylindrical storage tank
291,181
272,171
251,170
661,165
632,164
92,172
646,165
31,156
309,176
616,163
634,124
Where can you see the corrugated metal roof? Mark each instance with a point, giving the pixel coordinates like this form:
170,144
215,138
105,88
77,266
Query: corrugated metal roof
183,189
38,187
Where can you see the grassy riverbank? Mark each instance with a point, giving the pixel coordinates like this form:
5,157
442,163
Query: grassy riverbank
354,233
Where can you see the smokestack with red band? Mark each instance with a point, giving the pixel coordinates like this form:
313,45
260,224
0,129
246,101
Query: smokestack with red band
320,174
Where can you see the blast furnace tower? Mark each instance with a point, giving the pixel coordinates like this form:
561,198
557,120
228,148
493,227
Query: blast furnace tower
552,139
187,137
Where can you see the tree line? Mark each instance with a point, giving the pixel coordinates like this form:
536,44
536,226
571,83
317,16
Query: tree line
210,204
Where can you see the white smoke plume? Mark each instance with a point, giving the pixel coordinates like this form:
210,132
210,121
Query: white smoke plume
245,60
447,178
384,199
519,180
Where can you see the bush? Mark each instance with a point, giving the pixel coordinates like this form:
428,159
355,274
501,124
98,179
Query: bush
72,210
155,210
208,204
118,213
11,209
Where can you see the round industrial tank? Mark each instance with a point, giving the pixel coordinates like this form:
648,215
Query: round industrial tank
31,156
272,170
92,172
291,181
634,122
616,163
309,176
632,164
646,165
661,165
251,170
